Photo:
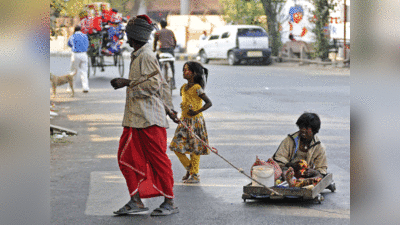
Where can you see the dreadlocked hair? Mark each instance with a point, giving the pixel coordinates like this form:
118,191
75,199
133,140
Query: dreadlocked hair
200,73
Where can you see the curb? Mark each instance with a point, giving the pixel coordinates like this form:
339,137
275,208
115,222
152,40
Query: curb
127,55
185,57
178,56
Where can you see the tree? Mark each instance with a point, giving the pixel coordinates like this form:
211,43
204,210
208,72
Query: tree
321,20
56,7
123,6
242,12
74,7
273,9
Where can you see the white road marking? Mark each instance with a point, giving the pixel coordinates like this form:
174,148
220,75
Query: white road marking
108,191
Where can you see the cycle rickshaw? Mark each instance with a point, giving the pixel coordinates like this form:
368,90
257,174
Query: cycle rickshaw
98,58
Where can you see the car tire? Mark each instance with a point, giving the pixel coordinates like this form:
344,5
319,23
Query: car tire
232,60
203,57
267,61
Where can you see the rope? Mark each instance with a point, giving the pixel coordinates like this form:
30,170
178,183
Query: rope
215,151
212,149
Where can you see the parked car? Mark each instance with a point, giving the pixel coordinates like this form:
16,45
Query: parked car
237,43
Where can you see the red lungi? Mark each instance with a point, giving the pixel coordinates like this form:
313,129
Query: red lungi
144,163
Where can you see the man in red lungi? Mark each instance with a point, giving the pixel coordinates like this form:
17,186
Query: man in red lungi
142,149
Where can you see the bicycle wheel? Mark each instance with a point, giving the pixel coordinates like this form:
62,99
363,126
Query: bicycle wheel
115,57
121,67
91,66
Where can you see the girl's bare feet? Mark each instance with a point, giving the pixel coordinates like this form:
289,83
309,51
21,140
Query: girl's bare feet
194,178
187,175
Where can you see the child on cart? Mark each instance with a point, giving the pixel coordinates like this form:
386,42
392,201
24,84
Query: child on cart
115,33
301,155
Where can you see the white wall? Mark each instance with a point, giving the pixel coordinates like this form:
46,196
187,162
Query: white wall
196,24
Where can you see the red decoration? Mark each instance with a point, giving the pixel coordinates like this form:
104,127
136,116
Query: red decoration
145,17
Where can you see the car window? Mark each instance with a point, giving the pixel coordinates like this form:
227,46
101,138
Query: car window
251,32
225,35
213,37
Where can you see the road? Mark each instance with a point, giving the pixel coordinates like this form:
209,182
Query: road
254,108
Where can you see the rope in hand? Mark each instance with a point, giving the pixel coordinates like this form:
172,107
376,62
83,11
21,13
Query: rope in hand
212,149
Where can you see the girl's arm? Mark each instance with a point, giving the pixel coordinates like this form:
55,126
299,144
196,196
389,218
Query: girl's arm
205,106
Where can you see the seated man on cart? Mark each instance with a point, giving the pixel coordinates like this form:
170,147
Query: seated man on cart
115,33
303,151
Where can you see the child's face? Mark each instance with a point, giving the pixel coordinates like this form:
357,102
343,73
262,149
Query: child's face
306,133
187,74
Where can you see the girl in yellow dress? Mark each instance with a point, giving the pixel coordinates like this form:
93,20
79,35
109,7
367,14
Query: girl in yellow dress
192,107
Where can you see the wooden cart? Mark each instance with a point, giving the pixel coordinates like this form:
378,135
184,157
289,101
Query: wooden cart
259,192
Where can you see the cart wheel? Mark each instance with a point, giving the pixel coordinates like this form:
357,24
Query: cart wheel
120,65
101,63
245,197
332,187
91,66
319,198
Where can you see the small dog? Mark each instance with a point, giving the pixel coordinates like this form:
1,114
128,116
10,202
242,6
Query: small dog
60,80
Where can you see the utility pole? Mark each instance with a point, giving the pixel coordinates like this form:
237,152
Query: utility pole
344,31
185,8
142,8
185,5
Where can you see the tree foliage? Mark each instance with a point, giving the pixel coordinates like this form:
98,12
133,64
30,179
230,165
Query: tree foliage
74,7
127,7
252,12
321,20
243,12
123,6
56,8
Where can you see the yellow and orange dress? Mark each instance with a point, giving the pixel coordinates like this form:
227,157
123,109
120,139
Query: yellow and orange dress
184,142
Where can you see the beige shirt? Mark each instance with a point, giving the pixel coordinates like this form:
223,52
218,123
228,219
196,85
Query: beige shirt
315,156
144,107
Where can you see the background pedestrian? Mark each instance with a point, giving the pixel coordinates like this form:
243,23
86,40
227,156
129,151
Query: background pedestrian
167,45
79,43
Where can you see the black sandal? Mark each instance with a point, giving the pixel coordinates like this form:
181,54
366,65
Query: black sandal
165,209
133,208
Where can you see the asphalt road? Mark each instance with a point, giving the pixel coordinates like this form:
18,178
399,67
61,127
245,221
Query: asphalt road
254,108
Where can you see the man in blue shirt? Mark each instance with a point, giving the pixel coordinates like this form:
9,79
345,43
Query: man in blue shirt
79,43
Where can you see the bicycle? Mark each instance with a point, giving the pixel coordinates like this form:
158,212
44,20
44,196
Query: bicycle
166,70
